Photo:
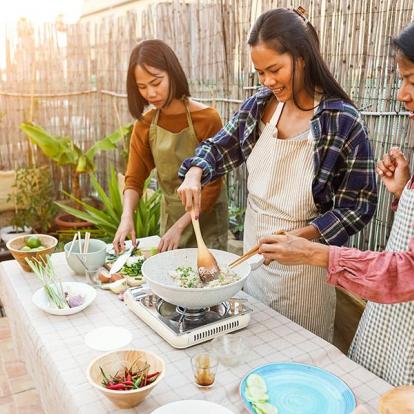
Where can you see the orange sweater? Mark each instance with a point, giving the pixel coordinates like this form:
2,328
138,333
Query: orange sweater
140,163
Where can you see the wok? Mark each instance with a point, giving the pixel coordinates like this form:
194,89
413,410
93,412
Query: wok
155,271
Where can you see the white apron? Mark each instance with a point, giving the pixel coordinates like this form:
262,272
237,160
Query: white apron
384,341
280,197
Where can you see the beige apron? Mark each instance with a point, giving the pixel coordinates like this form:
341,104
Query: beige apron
280,198
169,150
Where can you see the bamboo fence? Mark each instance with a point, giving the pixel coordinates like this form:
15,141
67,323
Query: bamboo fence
71,79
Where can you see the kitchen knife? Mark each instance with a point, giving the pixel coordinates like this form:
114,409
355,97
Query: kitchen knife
120,262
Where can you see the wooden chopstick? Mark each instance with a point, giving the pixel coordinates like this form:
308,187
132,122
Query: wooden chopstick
80,242
250,252
86,243
72,244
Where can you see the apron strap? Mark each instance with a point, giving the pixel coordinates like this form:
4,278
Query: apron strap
154,121
189,120
276,115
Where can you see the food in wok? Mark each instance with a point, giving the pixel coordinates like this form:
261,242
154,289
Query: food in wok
187,277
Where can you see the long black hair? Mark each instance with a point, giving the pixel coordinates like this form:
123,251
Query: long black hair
288,31
404,42
159,55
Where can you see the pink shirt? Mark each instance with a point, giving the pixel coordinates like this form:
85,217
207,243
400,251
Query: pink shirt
383,277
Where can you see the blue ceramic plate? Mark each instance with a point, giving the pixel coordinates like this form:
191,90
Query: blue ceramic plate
302,389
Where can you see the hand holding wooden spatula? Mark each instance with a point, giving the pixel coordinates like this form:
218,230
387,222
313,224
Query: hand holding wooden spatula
207,266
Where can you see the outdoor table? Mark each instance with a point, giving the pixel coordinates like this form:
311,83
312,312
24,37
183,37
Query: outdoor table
55,354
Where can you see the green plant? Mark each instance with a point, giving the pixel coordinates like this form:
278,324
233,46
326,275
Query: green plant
147,214
236,220
64,151
34,194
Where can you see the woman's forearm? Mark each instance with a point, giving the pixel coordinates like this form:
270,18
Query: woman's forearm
130,202
309,232
183,221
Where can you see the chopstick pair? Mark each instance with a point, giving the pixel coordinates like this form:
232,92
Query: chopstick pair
85,243
250,252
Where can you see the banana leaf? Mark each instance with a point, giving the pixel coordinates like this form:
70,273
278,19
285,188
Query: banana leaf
108,143
59,149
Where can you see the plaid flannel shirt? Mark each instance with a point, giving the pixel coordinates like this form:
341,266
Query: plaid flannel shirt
344,184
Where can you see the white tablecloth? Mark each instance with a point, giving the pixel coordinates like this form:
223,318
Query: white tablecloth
56,356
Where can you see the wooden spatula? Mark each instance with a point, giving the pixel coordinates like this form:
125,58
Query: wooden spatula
207,266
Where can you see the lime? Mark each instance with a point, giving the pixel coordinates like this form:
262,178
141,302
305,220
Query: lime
33,242
25,249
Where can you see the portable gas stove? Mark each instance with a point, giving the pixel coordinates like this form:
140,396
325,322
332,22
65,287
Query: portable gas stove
181,327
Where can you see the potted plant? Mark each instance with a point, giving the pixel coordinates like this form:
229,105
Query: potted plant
147,213
33,199
64,151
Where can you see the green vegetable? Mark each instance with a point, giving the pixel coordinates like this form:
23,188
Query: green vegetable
33,242
256,393
25,249
154,251
52,285
133,269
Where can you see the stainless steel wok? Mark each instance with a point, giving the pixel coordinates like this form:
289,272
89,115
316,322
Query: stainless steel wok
155,271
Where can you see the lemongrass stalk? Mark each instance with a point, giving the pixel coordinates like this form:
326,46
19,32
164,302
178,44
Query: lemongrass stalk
51,283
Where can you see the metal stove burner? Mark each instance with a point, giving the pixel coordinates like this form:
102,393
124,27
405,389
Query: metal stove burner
192,313
181,319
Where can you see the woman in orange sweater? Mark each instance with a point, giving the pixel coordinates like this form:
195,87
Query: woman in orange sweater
163,138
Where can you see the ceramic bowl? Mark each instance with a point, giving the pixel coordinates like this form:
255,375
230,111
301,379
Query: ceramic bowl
41,300
94,258
14,245
111,362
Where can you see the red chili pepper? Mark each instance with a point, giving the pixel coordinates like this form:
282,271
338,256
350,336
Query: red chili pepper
153,375
128,383
116,387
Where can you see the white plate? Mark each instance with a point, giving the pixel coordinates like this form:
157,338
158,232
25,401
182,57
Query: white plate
192,407
108,338
41,300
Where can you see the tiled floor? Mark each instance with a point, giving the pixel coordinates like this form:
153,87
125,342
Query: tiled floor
17,392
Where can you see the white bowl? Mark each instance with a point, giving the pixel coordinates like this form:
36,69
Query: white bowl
41,300
94,258
191,407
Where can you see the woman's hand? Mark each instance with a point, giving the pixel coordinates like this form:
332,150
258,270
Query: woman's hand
171,239
394,171
292,250
190,190
126,227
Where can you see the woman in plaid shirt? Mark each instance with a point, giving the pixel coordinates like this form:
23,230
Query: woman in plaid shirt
310,164
384,341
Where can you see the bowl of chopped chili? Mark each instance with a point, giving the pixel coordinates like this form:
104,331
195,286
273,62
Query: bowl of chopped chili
126,376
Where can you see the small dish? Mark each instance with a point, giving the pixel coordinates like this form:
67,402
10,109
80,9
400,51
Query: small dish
108,338
230,349
41,300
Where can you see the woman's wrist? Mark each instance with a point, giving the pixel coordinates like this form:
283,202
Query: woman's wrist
397,194
127,214
318,255
195,172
